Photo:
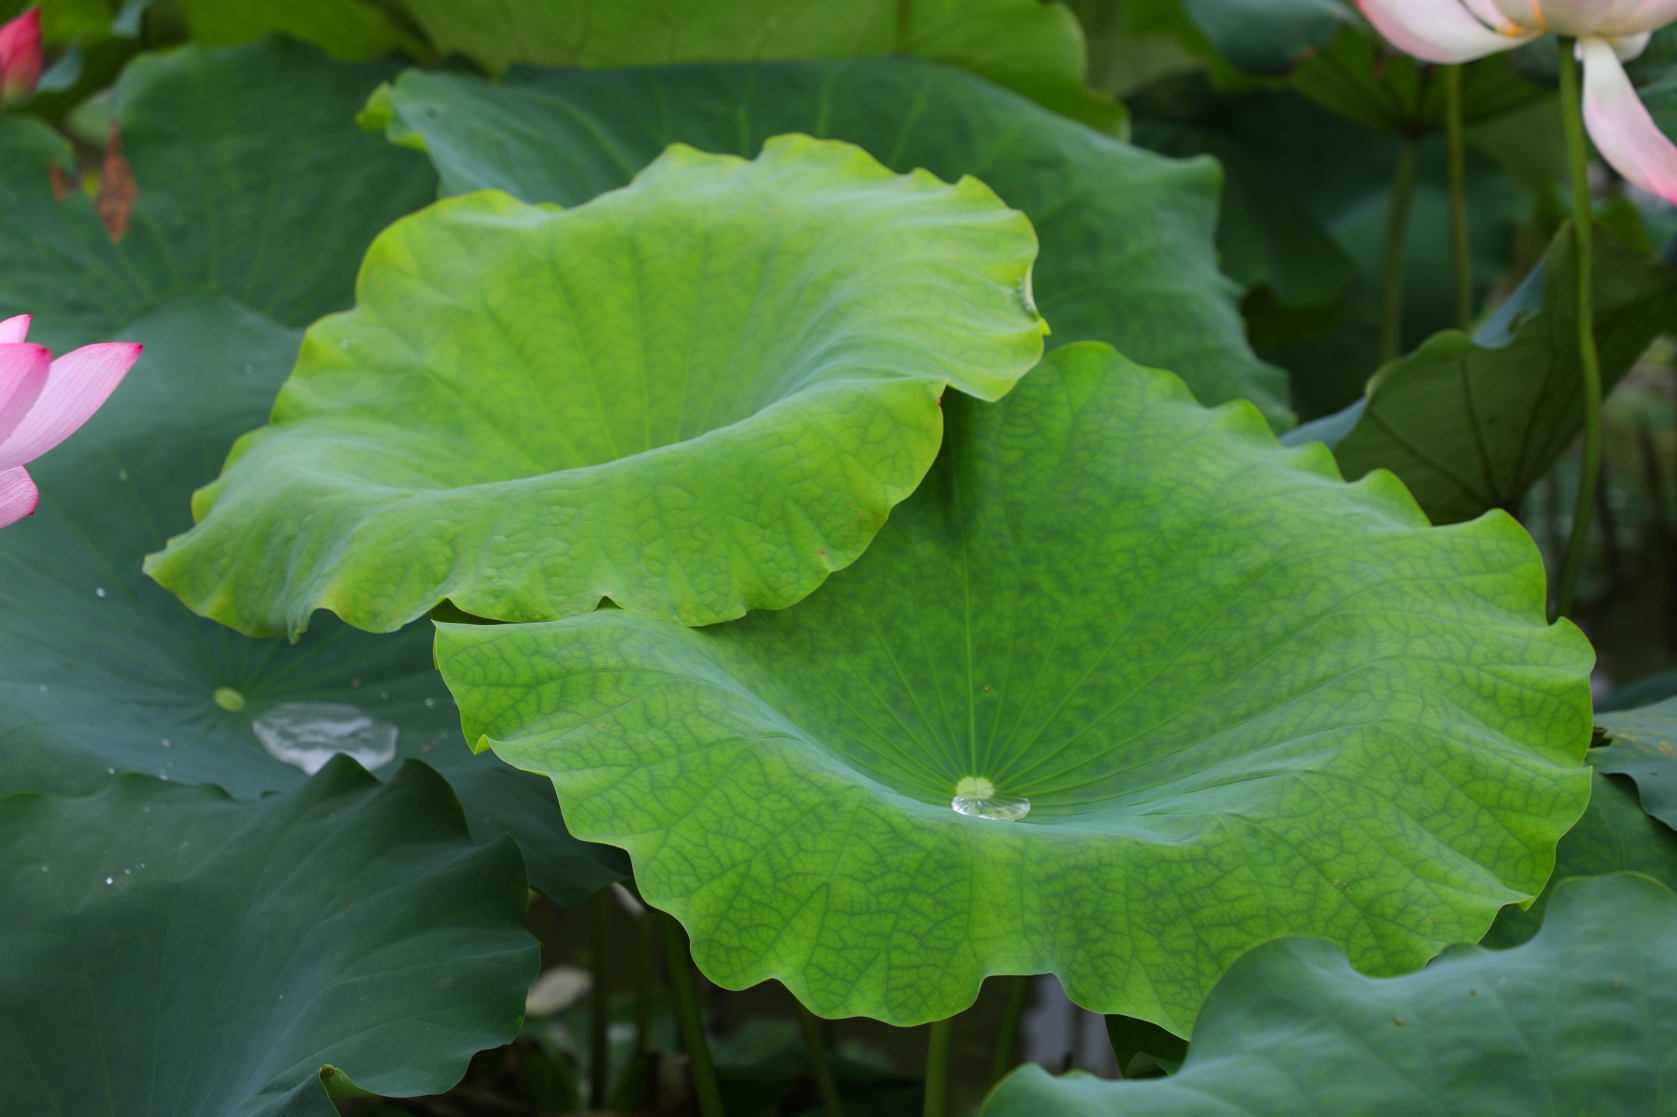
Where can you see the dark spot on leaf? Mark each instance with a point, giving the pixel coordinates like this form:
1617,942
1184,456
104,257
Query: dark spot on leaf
1400,1021
117,189
62,183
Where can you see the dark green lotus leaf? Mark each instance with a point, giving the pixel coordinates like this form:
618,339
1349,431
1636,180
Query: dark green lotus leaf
1615,835
167,949
102,670
354,29
1127,238
1643,746
1267,36
1241,698
1580,1020
1361,78
1469,423
252,178
1031,47
694,396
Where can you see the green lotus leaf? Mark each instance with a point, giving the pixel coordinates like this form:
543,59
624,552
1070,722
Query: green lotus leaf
1127,238
252,179
1614,836
1031,47
694,396
1266,37
101,670
1582,1019
354,29
1644,747
1239,697
1469,423
167,949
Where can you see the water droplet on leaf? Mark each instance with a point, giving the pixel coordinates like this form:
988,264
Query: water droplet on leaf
976,797
308,734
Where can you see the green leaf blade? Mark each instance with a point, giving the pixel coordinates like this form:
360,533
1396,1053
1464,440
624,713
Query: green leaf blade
1203,707
248,945
695,396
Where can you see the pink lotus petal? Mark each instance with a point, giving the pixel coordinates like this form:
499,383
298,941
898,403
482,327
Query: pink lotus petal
18,495
1624,133
1648,15
20,57
14,330
24,372
1437,30
80,382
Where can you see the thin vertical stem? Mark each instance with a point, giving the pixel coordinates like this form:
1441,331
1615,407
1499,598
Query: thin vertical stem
1008,1042
815,1045
1397,225
599,1011
646,980
937,1068
1461,251
1589,364
687,1014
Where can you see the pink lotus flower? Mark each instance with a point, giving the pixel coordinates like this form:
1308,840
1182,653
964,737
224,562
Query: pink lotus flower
1608,31
20,57
43,402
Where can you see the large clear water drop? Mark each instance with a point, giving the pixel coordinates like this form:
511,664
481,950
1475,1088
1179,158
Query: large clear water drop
977,797
308,734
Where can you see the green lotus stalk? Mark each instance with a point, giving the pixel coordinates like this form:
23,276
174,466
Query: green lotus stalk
1008,1041
599,1009
819,1069
1589,363
937,1067
687,1014
646,981
1461,252
1397,224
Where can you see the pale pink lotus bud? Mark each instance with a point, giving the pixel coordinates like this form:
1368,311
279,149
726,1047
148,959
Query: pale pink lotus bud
20,57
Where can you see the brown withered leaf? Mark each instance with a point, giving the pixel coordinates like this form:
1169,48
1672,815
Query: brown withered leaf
117,189
62,183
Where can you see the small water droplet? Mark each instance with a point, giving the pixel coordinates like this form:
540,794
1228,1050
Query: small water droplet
308,734
385,694
165,742
430,702
112,771
43,868
976,797
122,475
249,370
109,880
229,699
344,344
99,591
43,686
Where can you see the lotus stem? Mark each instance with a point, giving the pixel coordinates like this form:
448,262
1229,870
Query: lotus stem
937,1068
599,1010
687,1014
1008,1042
1397,224
1589,364
1461,251
646,980
815,1045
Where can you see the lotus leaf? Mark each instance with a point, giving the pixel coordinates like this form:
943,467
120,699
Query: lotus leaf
1238,698
1469,424
1029,46
166,949
1644,747
1127,238
103,671
251,178
343,28
694,396
1613,836
1582,1019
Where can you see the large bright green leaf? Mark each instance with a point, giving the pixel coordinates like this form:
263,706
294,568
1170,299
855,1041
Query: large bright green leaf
1581,1020
343,28
1644,747
694,396
1127,253
1615,835
1241,697
252,178
1469,423
1032,47
169,950
101,670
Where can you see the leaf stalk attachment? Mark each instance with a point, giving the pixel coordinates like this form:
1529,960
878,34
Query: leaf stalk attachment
937,1067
